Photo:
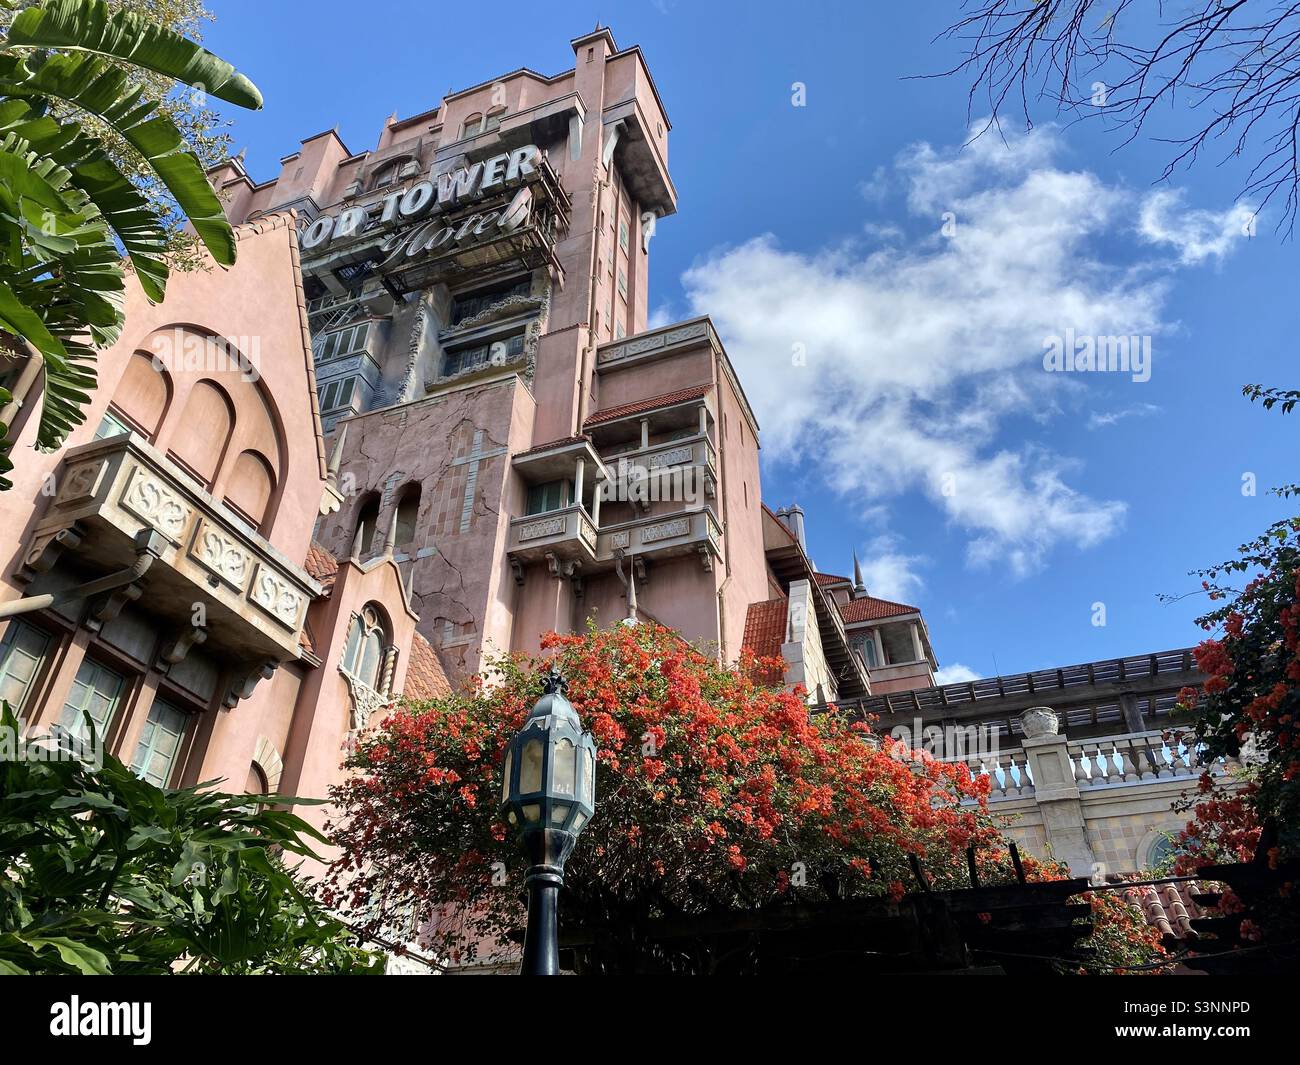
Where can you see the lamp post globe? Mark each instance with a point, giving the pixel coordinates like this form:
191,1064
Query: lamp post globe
548,794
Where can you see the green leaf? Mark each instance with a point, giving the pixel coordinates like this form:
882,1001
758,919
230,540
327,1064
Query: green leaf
85,959
87,25
88,83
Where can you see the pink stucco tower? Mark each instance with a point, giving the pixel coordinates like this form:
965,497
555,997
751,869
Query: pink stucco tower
477,294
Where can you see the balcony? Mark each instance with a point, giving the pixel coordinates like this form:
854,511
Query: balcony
568,540
664,536
560,538
251,598
684,470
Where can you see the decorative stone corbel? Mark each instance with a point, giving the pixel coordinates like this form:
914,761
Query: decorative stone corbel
517,568
176,649
107,607
641,569
243,685
561,568
706,558
45,550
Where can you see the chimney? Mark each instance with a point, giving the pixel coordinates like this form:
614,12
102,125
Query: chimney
792,518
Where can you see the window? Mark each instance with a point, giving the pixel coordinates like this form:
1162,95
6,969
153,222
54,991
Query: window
1161,852
472,126
496,353
341,342
385,176
622,234
337,394
363,657
160,742
21,652
622,284
493,119
408,510
367,520
867,645
619,331
472,303
111,425
96,692
549,496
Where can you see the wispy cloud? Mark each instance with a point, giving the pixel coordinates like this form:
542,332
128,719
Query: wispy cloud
1195,234
1105,419
889,572
898,367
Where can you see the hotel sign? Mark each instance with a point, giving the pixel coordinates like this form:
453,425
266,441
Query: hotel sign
413,219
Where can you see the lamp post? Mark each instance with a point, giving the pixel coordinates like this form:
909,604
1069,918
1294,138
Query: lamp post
548,794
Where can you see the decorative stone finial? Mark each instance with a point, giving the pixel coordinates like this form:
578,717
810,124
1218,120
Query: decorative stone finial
555,681
1039,721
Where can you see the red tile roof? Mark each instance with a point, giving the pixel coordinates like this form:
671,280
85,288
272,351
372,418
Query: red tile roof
765,633
425,677
684,395
320,565
1169,910
565,442
831,578
869,608
765,627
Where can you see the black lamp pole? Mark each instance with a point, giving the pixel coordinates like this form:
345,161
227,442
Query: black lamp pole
541,938
548,793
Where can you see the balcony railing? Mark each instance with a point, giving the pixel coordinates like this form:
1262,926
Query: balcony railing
664,468
1105,762
110,490
567,535
665,535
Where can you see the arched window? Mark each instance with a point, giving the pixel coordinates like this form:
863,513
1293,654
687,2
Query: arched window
492,120
408,512
386,175
363,657
472,125
256,783
250,486
207,422
363,532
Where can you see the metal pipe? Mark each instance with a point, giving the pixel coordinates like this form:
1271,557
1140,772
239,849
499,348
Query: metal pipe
149,546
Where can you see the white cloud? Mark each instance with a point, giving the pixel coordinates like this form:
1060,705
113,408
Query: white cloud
1105,419
916,355
955,674
890,573
1195,234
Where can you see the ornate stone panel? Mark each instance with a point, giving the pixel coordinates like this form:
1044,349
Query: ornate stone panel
151,499
274,594
81,482
640,345
678,456
534,530
665,530
223,554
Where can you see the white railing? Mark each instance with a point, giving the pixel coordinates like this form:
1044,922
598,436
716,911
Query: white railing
1128,759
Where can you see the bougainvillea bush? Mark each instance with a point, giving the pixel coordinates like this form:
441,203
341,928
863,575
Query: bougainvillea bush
1252,692
715,792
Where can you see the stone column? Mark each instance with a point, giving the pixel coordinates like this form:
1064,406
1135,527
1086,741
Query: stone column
1055,790
917,649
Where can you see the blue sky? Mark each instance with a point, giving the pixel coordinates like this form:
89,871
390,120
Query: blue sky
897,370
